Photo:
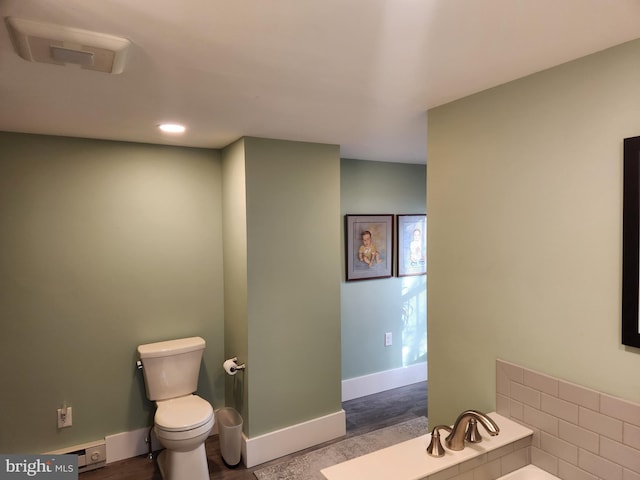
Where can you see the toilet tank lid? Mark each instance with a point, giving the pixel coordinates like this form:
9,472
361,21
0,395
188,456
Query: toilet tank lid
171,347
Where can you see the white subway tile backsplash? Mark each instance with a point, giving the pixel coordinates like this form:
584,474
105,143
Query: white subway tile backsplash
515,460
621,454
579,436
629,475
520,444
462,476
540,382
566,471
473,463
535,440
502,380
559,408
527,395
488,471
543,421
544,460
621,409
516,410
601,424
445,474
512,371
500,452
582,396
631,435
502,405
599,466
579,433
559,448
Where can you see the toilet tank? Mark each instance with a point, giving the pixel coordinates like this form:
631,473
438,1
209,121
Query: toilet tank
171,368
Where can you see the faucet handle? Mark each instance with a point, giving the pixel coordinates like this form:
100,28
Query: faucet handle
472,435
435,448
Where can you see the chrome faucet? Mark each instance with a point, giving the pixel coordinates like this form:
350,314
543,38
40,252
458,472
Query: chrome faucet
466,428
435,448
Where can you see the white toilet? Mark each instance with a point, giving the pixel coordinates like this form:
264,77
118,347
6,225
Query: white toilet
183,420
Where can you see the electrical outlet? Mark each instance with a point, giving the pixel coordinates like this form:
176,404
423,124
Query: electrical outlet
388,339
65,418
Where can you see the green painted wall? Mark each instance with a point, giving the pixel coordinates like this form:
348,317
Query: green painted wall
372,307
524,195
107,245
293,250
103,246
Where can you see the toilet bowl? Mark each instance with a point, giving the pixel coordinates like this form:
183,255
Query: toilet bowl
183,420
179,422
182,425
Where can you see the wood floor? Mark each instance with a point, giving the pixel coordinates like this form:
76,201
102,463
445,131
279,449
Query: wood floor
363,415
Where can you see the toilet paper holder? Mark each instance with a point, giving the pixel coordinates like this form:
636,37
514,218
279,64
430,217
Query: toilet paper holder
231,366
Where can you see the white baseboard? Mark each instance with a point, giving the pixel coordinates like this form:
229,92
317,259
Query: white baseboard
260,449
288,440
255,451
129,444
381,381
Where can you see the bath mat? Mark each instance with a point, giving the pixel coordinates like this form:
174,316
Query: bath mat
308,466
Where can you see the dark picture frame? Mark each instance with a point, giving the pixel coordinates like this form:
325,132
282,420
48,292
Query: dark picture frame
375,258
412,245
631,242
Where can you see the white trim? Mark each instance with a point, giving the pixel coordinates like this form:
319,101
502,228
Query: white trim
288,440
260,449
129,444
381,381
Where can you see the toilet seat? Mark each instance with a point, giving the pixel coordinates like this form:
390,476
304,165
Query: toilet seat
183,414
184,435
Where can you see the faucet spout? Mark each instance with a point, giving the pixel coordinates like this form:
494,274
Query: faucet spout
455,440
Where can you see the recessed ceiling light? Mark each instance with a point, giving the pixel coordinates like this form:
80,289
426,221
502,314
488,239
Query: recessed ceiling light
172,128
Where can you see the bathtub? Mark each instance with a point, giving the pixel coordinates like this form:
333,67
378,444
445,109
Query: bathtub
530,472
409,460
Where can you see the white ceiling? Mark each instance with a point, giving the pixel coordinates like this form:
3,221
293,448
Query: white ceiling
358,73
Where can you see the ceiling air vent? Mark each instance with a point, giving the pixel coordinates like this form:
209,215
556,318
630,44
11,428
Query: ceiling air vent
59,45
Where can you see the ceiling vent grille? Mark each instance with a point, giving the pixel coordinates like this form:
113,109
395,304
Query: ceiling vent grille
59,45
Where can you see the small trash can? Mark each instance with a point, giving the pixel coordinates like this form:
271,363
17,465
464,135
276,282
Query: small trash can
230,435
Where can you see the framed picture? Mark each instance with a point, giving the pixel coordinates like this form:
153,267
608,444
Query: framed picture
630,242
412,245
369,246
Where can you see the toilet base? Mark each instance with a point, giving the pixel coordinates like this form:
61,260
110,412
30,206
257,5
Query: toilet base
191,465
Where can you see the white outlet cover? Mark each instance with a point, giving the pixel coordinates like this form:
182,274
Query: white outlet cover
67,421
